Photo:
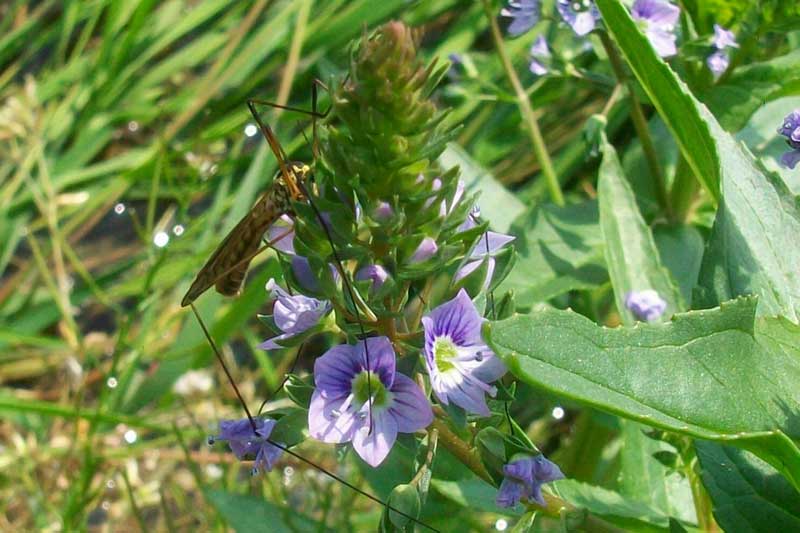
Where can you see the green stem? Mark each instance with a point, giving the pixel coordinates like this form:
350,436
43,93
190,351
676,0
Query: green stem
640,124
539,148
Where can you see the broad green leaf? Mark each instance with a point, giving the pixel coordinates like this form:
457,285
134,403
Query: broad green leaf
756,243
497,203
754,246
681,250
709,374
643,478
752,86
693,127
558,249
748,495
246,514
631,253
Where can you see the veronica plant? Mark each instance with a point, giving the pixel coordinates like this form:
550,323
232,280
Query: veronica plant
391,262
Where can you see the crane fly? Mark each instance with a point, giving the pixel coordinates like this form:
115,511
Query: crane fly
227,266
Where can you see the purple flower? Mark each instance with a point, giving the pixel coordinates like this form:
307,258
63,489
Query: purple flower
791,130
724,38
459,362
376,273
340,412
426,249
658,18
293,314
246,443
539,50
581,15
523,479
645,305
486,246
525,14
281,235
718,62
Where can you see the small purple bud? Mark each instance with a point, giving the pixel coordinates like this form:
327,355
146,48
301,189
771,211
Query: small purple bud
645,305
426,249
383,212
376,273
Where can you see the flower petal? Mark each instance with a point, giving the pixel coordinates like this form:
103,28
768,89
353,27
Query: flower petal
328,423
458,319
335,369
410,408
373,446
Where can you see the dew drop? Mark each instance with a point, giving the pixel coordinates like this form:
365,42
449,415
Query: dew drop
558,412
288,471
119,208
106,505
110,484
161,239
112,382
177,230
130,436
250,130
133,126
501,524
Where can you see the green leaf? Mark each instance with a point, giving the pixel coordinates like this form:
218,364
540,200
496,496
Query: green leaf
709,374
693,127
246,514
681,250
756,243
608,503
752,86
558,249
643,478
748,495
631,254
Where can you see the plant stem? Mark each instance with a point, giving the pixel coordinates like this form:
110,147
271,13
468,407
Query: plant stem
539,148
639,123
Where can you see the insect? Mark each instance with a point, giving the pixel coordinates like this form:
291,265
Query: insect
227,266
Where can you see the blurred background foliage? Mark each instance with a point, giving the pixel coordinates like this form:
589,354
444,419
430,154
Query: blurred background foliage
126,152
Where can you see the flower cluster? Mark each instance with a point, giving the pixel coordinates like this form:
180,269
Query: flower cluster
719,60
790,129
523,480
384,265
646,305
